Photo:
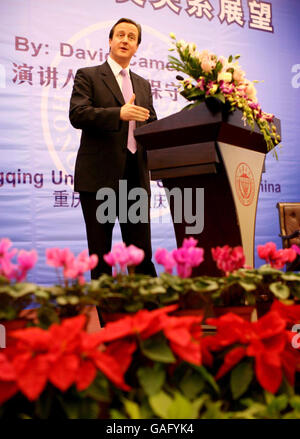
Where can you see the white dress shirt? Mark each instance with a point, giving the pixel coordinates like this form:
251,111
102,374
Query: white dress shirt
116,69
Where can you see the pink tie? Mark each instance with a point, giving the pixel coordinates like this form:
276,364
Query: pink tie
127,93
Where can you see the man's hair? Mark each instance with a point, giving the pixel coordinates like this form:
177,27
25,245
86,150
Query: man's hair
127,20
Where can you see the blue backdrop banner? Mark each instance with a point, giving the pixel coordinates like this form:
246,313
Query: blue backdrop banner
44,43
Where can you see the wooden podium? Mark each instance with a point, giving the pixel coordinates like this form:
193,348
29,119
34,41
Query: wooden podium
208,148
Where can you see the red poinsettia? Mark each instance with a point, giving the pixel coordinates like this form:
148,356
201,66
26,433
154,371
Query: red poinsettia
66,355
266,341
144,324
8,387
63,355
290,313
182,332
113,361
184,335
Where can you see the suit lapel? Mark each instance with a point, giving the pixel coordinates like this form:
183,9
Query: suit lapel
110,80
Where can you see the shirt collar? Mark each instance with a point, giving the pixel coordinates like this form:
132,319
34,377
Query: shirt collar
116,68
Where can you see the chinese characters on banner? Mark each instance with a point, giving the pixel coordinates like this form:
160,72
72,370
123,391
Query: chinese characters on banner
230,11
49,77
65,198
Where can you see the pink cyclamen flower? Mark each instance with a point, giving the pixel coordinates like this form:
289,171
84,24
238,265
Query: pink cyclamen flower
121,255
110,259
73,268
5,245
57,257
267,251
189,242
163,257
7,268
296,248
76,268
124,256
26,261
135,255
187,257
276,258
228,259
87,262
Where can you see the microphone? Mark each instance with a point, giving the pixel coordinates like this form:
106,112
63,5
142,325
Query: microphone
180,78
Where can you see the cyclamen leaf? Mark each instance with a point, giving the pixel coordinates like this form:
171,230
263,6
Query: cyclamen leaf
247,286
280,290
291,277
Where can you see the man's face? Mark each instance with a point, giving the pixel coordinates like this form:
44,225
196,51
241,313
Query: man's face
124,43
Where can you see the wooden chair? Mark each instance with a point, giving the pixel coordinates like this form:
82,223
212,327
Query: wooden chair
289,221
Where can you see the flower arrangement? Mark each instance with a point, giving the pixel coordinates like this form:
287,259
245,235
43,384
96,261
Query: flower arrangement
153,365
129,293
150,363
212,76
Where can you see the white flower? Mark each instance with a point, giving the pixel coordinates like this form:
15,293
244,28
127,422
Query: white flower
225,76
182,44
192,48
238,74
251,91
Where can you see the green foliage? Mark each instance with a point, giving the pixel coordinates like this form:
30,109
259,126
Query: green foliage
131,293
157,349
240,379
151,379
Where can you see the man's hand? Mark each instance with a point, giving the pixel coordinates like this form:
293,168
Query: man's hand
129,111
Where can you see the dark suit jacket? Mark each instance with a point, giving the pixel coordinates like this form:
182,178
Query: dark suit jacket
95,109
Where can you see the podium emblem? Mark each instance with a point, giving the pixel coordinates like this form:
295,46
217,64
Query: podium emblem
244,184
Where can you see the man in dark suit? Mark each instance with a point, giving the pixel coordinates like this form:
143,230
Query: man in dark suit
108,151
